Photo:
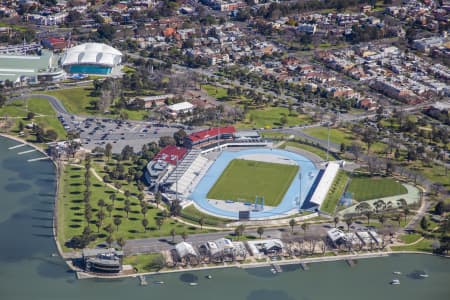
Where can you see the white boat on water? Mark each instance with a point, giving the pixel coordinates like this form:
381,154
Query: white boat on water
159,282
273,271
397,273
424,275
395,282
209,276
193,283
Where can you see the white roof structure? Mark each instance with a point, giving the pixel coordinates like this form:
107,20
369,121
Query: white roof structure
180,107
92,54
325,183
335,234
184,249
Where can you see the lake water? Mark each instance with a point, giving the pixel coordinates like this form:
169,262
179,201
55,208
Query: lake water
28,271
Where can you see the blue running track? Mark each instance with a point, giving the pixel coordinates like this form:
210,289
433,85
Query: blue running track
290,199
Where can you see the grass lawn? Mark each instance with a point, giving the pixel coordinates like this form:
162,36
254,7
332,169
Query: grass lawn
75,100
337,135
435,173
142,262
424,245
365,188
270,117
192,214
71,219
45,115
317,151
217,92
242,180
335,193
410,238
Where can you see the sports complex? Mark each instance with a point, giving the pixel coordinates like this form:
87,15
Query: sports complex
241,177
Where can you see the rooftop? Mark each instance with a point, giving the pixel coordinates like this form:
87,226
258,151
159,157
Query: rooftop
212,132
171,154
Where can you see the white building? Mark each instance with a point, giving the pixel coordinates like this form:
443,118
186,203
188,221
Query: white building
182,107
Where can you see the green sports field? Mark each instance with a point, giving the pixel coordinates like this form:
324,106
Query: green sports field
366,188
242,180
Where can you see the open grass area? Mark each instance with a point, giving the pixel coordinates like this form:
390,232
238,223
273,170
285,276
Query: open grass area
435,173
217,92
317,151
424,245
71,220
192,214
143,262
45,116
337,135
75,100
270,117
335,193
243,180
410,238
367,188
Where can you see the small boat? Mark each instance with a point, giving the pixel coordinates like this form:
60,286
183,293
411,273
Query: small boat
273,271
395,282
159,282
424,275
397,273
209,276
193,283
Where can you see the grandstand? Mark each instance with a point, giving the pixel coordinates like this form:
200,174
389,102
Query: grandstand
325,183
187,174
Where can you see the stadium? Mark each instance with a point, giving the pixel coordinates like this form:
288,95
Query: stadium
240,177
91,58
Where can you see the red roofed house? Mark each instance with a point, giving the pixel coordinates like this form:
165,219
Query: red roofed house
207,135
55,43
171,154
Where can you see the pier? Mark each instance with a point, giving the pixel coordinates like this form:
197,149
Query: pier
39,158
28,151
16,146
304,266
277,268
351,262
142,280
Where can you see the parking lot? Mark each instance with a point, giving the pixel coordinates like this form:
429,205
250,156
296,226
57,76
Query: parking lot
97,132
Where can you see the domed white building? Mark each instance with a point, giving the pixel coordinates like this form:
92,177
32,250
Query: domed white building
91,58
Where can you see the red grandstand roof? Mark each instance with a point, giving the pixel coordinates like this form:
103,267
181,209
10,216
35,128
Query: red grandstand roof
212,132
171,154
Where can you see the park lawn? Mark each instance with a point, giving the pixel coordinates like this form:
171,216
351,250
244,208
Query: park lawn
337,135
192,214
317,151
424,246
269,117
335,193
217,92
410,238
75,100
243,180
71,219
45,116
142,262
137,115
366,188
435,173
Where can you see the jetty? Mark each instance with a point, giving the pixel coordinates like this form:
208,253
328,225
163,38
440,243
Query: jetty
277,268
39,158
16,146
350,262
142,280
304,266
28,151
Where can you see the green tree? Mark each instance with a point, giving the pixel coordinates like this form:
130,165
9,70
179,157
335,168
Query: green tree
349,222
173,233
184,236
112,197
121,242
158,198
110,209
424,223
117,222
260,231
201,222
144,211
109,240
336,221
292,223
145,224
159,222
239,231
304,227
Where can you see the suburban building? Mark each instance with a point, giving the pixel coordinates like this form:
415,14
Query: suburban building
183,107
102,260
203,137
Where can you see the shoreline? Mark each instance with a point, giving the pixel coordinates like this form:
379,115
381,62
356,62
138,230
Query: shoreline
252,265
